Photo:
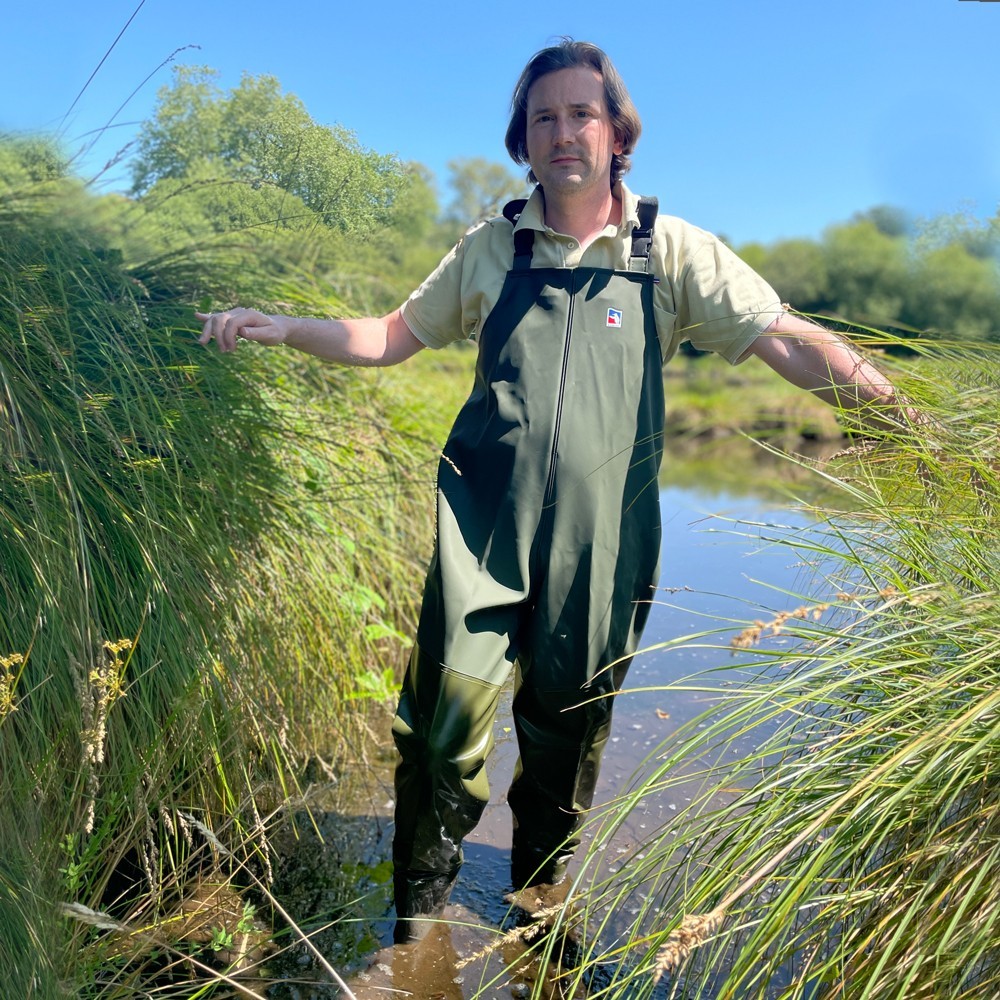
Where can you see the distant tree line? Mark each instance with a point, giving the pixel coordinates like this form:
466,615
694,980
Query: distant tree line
884,270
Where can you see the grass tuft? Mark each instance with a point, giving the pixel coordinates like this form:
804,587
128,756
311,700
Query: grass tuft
853,851
201,556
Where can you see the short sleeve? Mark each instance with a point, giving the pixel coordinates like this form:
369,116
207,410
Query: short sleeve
434,312
723,305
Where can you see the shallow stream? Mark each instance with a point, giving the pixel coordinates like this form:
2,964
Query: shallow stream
721,569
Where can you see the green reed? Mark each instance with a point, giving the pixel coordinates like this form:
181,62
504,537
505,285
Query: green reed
855,851
199,561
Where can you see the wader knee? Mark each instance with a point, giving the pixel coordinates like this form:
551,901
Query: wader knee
444,732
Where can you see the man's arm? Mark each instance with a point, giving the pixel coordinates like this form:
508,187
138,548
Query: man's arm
816,359
375,341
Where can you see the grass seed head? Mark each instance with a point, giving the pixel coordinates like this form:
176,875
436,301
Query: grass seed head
693,931
8,681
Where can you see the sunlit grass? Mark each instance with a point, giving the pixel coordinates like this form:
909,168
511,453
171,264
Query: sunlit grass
855,851
202,556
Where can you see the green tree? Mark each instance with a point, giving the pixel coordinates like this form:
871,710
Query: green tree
415,212
882,269
956,293
868,273
29,160
797,270
261,138
481,189
887,219
754,254
377,274
978,237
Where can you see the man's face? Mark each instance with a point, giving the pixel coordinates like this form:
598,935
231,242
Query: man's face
570,137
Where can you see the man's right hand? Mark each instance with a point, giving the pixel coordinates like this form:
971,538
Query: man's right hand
225,328
372,341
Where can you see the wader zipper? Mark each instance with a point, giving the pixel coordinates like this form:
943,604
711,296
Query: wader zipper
551,481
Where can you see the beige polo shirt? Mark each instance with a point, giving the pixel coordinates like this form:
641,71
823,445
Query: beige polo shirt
705,294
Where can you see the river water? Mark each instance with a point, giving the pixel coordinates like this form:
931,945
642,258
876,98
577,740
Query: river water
721,569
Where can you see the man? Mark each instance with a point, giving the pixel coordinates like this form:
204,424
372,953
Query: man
548,521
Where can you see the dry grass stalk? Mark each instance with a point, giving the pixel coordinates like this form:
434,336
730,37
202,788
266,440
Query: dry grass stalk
693,931
526,934
752,635
264,851
94,918
105,684
149,851
213,841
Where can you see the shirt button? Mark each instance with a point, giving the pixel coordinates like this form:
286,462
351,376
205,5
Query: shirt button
571,245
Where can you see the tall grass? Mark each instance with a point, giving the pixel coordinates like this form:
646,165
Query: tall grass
855,852
199,557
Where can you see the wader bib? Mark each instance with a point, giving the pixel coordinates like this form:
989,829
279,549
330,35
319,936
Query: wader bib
548,541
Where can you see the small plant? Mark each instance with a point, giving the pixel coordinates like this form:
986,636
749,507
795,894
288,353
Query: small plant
377,685
246,922
221,938
73,871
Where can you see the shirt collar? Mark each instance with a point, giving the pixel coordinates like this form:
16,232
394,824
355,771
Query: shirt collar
630,207
533,213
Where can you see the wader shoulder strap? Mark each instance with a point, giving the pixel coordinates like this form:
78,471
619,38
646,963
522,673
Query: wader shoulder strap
642,235
524,239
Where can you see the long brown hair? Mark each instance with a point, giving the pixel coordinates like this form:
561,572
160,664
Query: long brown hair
566,55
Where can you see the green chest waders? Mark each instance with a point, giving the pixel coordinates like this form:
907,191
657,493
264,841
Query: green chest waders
547,551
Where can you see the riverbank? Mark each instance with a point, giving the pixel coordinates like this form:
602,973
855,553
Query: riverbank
708,399
211,566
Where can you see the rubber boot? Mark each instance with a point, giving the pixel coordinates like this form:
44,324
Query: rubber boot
530,867
420,901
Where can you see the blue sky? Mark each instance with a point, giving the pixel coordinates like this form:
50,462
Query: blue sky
762,119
